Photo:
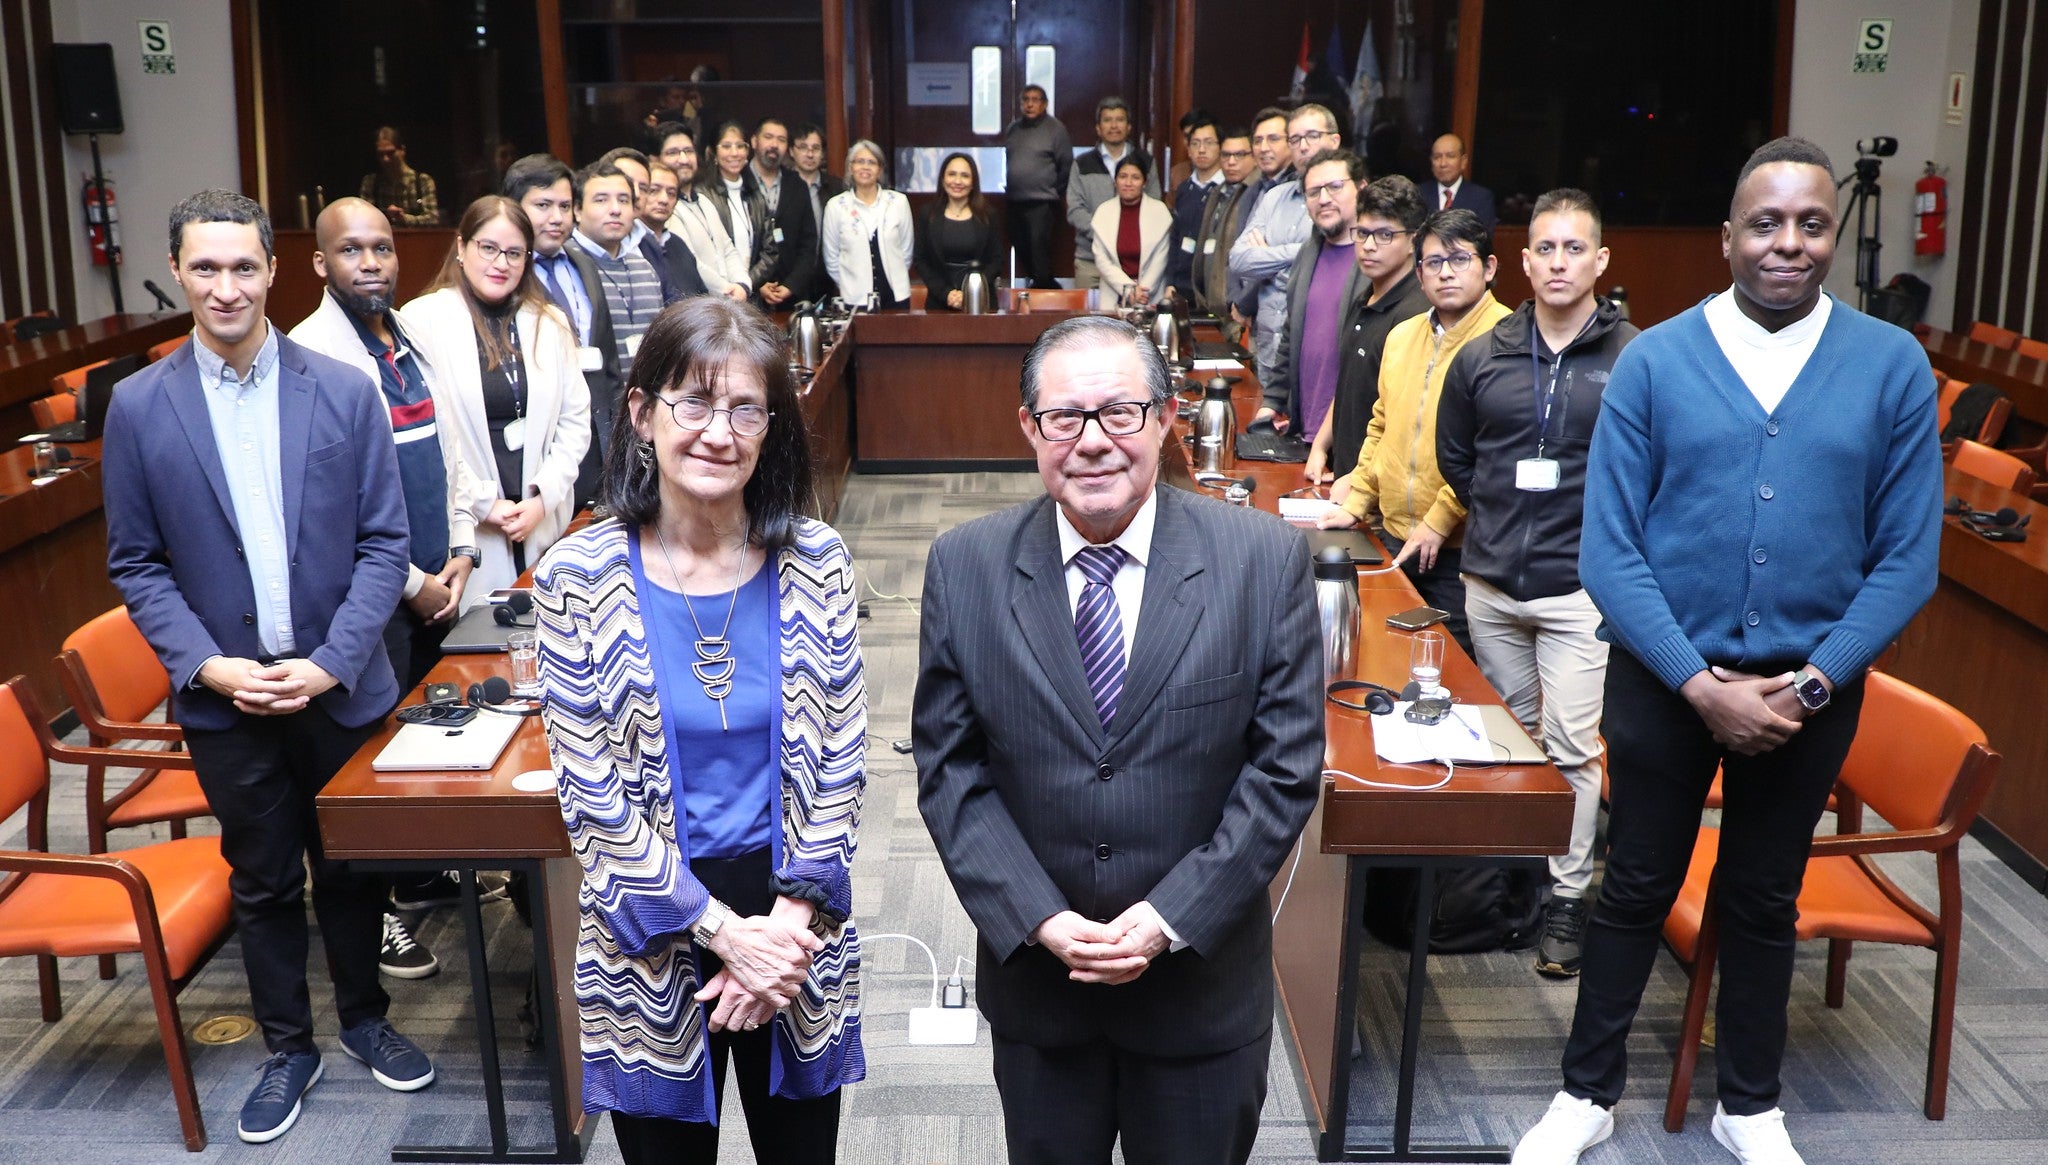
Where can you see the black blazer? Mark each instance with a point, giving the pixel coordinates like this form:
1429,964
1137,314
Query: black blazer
1470,196
941,277
1191,800
607,384
797,263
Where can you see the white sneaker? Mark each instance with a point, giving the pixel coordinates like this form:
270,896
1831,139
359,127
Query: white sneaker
1756,1140
1571,1127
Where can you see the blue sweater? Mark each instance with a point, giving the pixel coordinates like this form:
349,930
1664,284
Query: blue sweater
1718,534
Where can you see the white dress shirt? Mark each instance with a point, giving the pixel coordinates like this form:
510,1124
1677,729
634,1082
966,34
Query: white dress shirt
1768,362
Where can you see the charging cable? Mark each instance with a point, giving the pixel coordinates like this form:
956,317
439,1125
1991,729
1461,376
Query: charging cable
1450,770
956,989
1300,844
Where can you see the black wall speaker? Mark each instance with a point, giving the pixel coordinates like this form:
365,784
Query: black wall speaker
88,100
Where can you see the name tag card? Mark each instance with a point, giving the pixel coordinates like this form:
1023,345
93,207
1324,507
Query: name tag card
588,358
1536,474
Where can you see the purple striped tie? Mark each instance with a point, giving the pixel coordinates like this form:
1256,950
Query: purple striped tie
1100,627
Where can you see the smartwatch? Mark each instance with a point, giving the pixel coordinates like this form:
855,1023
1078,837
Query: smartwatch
1813,695
475,556
706,927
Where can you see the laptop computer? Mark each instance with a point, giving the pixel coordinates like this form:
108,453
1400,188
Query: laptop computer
1364,551
479,632
471,748
94,399
1507,735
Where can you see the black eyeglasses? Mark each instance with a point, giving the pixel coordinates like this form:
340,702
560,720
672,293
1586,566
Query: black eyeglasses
1120,419
1384,236
491,252
695,413
1456,261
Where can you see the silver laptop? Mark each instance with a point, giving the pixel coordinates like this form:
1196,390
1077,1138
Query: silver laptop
469,748
1508,736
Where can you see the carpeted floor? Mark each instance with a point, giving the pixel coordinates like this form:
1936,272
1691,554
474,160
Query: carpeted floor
92,1088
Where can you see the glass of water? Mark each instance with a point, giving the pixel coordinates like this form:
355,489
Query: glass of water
524,648
1426,662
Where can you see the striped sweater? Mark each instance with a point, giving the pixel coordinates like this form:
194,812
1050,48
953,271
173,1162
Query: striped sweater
644,1039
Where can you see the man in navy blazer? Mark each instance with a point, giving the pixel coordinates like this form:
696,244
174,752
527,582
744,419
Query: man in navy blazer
1451,190
256,528
1118,728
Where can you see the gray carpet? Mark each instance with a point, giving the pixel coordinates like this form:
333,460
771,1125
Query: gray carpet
92,1088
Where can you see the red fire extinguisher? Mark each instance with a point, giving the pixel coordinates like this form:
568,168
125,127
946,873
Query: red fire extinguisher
102,223
1930,207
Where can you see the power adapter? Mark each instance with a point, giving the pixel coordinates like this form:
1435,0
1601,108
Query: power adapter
951,1023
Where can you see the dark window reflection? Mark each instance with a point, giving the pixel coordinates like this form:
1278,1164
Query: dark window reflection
1650,107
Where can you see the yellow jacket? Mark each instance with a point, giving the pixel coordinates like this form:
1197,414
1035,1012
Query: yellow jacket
1397,464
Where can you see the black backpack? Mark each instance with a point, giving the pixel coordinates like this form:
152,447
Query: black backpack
1477,908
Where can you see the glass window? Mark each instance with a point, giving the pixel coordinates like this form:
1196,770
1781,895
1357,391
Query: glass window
1039,62
985,66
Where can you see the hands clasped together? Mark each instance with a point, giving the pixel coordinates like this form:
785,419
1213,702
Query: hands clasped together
1748,713
767,957
1112,952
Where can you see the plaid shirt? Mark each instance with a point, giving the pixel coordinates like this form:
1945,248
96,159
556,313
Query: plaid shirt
412,192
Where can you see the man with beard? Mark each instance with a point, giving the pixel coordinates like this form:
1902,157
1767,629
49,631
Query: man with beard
797,268
1325,279
356,325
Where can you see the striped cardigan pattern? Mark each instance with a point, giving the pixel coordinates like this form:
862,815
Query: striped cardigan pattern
643,1037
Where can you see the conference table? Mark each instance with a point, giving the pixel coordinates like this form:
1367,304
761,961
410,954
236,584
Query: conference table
2022,378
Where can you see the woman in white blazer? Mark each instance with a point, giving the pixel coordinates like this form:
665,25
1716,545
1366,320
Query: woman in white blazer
507,361
1133,274
867,228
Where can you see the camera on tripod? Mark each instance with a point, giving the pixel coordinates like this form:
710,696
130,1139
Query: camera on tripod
1867,155
1865,199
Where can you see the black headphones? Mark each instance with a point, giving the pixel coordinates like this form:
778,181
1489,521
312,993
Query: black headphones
1379,698
495,695
516,604
2004,524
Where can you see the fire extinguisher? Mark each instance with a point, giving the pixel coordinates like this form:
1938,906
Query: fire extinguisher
1930,206
102,223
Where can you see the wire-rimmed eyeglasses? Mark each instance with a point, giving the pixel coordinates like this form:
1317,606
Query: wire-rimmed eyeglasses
695,413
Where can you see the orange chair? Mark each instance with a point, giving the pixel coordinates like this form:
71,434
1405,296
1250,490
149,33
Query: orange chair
1996,466
11,330
169,902
1994,335
159,351
2032,349
53,410
73,380
1925,768
1995,417
114,681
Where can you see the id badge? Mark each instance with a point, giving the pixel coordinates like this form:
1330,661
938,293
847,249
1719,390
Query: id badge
632,346
1209,246
777,236
515,434
1187,246
588,358
1536,474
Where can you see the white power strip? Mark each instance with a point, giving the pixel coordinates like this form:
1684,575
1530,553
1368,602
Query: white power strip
943,1025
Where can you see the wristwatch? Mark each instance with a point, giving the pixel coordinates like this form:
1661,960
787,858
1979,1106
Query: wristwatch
475,556
1813,695
706,927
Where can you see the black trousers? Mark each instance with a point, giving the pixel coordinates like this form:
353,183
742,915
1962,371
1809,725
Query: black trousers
1068,1106
261,776
1663,759
798,1132
1440,586
414,645
1032,225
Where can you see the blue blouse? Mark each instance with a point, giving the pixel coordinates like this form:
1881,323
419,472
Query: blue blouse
727,773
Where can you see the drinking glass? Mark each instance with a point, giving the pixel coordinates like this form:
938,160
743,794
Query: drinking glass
1426,662
524,648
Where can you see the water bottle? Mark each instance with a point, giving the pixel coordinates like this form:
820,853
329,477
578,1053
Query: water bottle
1216,429
1337,612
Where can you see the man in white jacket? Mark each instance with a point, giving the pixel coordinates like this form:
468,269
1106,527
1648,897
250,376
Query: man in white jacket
356,325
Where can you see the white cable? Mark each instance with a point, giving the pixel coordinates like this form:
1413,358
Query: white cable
876,591
1298,847
911,938
958,962
1450,770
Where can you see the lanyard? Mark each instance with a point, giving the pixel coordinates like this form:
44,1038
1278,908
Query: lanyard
1546,395
625,293
514,368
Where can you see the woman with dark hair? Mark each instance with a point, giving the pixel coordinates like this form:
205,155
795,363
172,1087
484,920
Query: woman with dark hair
738,202
706,714
506,359
956,235
1133,236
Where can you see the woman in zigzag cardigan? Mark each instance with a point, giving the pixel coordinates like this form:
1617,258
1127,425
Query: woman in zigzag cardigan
708,619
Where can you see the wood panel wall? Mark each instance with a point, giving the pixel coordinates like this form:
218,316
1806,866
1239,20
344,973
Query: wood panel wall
2001,227
35,245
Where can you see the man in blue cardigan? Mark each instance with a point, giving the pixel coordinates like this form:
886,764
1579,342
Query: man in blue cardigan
1763,515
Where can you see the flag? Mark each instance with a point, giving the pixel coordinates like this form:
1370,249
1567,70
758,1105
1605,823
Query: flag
1366,88
1301,67
1333,54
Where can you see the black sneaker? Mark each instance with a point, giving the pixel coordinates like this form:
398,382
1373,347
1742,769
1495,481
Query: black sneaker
1564,930
402,957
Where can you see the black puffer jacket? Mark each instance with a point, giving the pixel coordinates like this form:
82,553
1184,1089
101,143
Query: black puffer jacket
1524,542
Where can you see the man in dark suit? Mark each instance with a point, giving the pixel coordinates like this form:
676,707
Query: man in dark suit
787,262
1118,730
1451,190
257,530
545,189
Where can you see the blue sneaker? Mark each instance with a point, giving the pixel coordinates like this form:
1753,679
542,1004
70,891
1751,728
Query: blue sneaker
395,1061
273,1107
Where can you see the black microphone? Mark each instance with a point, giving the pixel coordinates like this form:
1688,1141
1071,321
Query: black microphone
1250,484
494,694
163,301
516,604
